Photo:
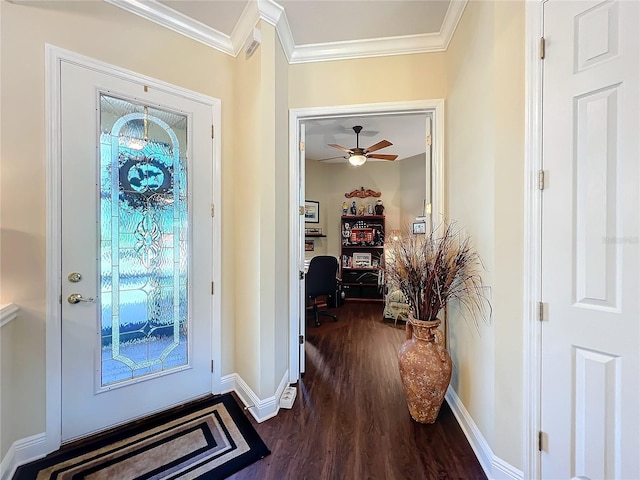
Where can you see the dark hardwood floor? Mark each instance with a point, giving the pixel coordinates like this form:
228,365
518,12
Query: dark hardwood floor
350,419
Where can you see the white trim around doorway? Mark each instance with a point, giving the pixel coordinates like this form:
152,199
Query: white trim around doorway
298,115
532,330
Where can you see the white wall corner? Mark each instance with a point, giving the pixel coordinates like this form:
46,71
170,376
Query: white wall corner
23,451
494,467
244,27
260,409
8,312
451,20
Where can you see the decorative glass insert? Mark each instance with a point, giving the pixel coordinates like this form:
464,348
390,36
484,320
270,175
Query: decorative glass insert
144,246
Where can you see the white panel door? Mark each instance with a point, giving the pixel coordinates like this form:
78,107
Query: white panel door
136,249
590,241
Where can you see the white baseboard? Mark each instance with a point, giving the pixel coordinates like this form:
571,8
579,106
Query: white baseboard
494,467
505,471
23,451
32,448
261,410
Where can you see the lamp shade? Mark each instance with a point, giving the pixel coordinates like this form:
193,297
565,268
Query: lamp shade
357,160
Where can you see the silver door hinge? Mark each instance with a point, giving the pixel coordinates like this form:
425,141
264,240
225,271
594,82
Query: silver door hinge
213,289
428,140
211,366
213,131
541,180
542,48
301,211
302,146
301,339
542,311
213,210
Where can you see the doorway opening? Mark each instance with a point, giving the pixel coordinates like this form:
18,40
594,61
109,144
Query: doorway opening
309,130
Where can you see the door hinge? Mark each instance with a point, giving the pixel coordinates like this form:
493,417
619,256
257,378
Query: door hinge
301,211
146,88
213,210
542,48
302,146
542,311
301,275
301,339
541,180
542,441
213,131
211,366
428,140
60,299
213,289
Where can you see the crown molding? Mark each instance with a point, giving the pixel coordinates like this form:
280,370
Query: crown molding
375,47
384,46
248,19
274,14
451,20
173,20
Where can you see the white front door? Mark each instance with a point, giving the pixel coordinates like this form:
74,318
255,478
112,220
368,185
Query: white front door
590,240
136,249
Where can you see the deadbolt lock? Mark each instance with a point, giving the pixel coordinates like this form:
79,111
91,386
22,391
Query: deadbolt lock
74,277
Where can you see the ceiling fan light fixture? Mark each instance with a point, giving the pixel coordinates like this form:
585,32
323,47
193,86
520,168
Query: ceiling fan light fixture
357,160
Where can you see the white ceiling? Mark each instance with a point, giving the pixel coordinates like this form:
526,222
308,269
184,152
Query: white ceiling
322,30
311,30
406,133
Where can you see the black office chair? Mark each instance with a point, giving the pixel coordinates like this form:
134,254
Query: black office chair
322,279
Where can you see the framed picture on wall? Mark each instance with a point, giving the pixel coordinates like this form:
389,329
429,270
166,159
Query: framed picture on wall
419,228
311,211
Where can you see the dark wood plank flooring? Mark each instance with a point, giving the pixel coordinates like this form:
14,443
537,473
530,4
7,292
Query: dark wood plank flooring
350,419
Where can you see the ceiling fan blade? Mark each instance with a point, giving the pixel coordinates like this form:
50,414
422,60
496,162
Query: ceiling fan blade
329,158
378,146
383,157
340,148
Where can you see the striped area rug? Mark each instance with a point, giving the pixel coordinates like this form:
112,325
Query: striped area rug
210,441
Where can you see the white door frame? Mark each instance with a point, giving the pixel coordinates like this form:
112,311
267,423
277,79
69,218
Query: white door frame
532,328
298,115
54,57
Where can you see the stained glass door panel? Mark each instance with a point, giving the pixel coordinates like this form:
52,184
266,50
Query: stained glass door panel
136,186
144,249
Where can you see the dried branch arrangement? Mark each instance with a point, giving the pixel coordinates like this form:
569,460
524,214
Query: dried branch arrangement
437,268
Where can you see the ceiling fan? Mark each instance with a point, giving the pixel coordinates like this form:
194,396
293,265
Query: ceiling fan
357,156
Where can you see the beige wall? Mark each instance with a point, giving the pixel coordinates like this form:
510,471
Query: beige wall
481,77
109,34
485,157
281,341
247,165
368,80
402,183
262,249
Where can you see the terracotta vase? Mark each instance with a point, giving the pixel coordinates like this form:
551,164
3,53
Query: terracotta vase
425,369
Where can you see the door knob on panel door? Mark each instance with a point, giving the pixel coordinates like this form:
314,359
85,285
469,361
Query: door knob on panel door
77,298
